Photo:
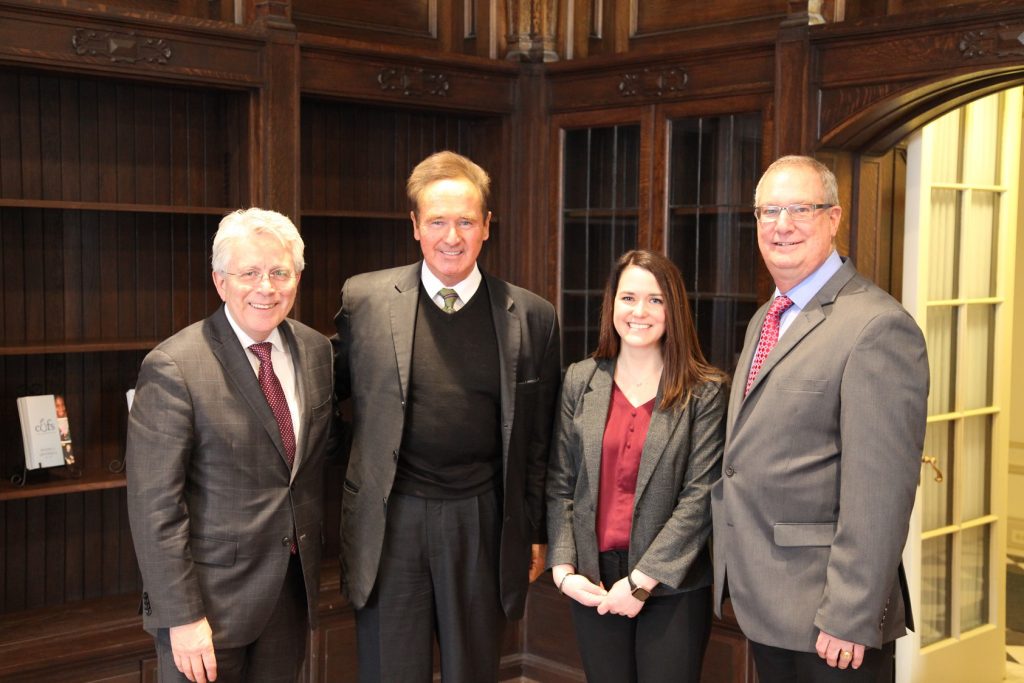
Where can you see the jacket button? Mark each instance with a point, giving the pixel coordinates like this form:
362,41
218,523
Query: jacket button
729,471
286,541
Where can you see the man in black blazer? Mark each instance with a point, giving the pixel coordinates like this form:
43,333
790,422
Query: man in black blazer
453,376
225,483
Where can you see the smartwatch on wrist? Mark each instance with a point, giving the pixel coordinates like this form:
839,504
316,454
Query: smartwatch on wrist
638,592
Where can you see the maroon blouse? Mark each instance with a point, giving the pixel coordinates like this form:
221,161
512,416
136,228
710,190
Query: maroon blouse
625,431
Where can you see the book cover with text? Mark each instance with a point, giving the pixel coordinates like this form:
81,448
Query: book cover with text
40,431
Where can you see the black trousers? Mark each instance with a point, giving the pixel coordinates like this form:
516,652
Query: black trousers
275,657
665,642
438,577
777,665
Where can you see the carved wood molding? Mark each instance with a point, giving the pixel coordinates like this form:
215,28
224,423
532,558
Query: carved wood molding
414,82
1004,41
653,82
119,46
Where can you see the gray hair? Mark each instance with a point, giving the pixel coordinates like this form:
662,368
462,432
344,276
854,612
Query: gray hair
828,178
243,224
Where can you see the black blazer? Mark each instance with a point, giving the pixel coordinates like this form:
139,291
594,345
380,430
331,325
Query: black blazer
373,360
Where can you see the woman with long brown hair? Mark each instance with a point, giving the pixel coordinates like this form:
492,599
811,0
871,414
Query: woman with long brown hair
638,444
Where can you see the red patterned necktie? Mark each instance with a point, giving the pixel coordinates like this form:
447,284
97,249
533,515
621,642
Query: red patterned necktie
275,397
769,336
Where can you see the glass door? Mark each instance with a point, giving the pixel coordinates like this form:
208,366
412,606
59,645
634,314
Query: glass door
962,177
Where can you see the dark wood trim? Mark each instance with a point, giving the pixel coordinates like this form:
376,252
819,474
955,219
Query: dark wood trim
61,482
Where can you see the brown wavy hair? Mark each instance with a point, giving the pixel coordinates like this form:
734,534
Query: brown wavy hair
684,364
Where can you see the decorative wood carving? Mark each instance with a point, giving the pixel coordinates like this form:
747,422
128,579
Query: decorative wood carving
653,82
532,29
121,46
414,82
1005,41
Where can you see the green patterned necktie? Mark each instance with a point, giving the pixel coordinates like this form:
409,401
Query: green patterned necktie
449,296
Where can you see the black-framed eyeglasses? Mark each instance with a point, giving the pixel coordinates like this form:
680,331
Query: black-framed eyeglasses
801,213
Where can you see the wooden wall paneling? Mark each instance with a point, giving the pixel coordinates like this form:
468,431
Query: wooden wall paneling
419,80
412,23
35,552
689,77
89,133
31,171
151,47
527,166
49,147
15,554
143,133
106,141
792,93
877,80
54,544
658,17
12,250
70,140
125,168
10,138
71,240
278,131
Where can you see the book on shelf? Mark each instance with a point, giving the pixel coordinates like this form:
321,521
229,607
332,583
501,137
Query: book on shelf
45,431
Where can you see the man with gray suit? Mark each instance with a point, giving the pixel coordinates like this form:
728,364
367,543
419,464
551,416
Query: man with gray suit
453,376
823,446
227,436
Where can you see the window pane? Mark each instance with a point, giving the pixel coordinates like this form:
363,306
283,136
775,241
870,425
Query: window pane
935,589
975,379
941,339
974,583
937,496
714,166
944,244
599,223
978,247
976,462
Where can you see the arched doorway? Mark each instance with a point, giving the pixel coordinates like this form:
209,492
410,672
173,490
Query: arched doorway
956,552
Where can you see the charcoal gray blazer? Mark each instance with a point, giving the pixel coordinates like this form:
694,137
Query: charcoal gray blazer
821,467
680,460
211,500
373,362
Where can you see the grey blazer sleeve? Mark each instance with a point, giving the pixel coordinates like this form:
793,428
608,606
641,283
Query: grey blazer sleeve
684,535
563,470
881,420
160,441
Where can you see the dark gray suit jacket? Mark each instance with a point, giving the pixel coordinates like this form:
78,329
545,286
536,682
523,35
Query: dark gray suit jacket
373,360
681,459
211,500
821,466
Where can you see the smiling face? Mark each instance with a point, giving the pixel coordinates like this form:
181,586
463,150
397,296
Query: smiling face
259,308
639,310
451,228
791,250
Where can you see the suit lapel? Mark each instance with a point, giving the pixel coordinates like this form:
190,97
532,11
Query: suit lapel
658,433
596,399
810,317
508,330
402,305
234,359
297,349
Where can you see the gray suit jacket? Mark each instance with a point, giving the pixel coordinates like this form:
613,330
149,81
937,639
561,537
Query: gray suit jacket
681,458
821,467
211,501
373,360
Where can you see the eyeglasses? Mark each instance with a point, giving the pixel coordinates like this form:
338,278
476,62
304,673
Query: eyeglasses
254,278
800,213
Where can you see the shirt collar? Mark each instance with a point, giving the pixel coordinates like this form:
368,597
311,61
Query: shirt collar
246,341
802,294
465,289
